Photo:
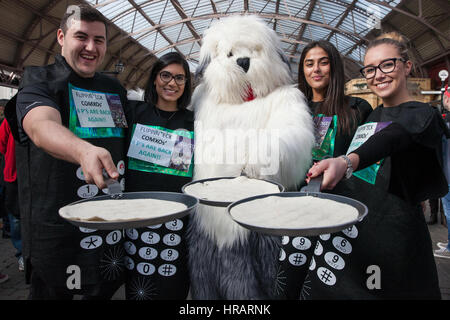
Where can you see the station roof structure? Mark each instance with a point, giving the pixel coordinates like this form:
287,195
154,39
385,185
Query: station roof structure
142,30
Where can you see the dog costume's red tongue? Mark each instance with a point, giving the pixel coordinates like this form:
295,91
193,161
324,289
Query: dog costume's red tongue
250,95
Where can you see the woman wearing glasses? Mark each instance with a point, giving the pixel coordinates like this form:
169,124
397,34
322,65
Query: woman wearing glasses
394,157
336,116
161,129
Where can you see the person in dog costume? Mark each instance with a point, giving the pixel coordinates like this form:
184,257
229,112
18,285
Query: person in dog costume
245,100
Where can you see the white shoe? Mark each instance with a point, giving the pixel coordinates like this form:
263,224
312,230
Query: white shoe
442,244
442,253
21,264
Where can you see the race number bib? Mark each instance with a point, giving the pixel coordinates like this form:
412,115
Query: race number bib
362,134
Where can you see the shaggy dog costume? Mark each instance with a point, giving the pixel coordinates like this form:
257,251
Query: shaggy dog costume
245,101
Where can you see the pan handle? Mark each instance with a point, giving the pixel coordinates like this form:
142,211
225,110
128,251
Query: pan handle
313,185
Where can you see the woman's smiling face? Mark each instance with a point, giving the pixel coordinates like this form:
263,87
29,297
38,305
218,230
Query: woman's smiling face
388,86
316,68
169,92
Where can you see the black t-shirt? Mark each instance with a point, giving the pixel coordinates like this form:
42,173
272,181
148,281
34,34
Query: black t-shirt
343,139
34,96
146,114
49,183
412,142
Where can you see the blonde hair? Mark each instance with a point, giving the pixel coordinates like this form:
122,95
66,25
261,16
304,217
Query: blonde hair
393,38
398,41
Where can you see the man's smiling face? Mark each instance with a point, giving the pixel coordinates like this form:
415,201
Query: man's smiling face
83,46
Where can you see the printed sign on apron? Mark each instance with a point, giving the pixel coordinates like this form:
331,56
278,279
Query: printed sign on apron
95,114
157,149
362,134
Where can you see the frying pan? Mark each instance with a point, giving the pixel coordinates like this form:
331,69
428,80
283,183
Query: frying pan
223,204
190,201
312,189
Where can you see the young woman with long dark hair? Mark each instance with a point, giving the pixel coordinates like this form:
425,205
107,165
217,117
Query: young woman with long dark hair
321,79
336,116
156,256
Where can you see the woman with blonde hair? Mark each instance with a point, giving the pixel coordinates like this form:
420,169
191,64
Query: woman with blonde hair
389,254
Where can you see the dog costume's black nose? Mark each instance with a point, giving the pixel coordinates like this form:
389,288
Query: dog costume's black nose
244,63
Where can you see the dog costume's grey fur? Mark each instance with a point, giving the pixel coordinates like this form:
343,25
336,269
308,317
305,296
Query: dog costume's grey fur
238,53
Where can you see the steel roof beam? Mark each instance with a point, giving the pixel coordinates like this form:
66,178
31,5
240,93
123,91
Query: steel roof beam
438,21
43,16
129,10
442,55
146,17
344,15
19,61
141,62
277,11
141,73
213,6
435,36
444,4
348,34
183,15
414,51
12,36
118,53
303,27
412,16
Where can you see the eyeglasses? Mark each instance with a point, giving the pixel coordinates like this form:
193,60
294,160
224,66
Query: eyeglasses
386,66
166,77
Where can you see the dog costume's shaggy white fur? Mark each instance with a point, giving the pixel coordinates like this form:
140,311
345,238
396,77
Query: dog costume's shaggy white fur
241,55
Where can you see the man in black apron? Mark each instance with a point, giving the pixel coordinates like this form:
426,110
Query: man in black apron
68,124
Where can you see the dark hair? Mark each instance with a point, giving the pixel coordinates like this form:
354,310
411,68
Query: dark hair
335,103
86,13
151,96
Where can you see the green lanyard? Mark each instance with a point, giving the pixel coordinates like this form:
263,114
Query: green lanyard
362,134
324,139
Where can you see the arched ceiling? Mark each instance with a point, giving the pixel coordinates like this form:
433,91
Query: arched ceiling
141,30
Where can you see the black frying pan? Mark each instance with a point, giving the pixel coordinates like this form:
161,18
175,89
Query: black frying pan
189,201
312,189
215,203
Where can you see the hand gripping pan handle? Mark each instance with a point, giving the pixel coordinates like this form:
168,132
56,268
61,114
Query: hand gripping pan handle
114,187
313,186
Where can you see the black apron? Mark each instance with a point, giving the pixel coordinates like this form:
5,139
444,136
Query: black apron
46,184
297,251
156,258
389,254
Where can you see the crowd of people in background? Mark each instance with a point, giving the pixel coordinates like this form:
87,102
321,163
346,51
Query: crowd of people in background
69,154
